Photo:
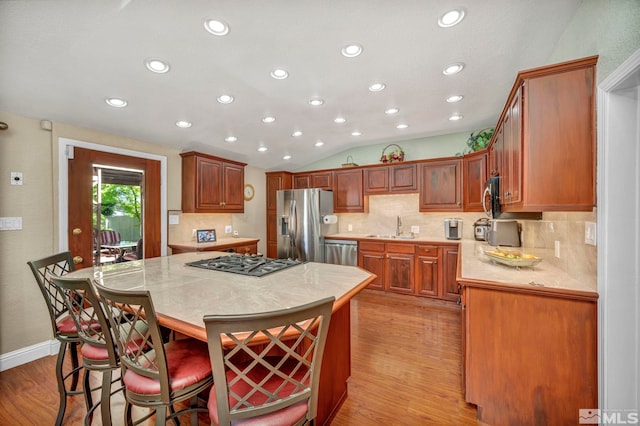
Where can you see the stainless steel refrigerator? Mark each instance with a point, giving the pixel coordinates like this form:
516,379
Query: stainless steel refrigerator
305,216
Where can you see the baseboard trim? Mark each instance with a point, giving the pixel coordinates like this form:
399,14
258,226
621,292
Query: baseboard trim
28,354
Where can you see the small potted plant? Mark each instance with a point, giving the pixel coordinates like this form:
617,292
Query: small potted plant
478,141
396,154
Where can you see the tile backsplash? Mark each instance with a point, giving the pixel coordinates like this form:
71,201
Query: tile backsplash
577,258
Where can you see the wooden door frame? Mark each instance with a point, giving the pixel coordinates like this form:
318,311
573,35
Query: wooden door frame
64,145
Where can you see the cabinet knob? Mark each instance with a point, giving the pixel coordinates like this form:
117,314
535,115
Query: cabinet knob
459,301
77,259
76,231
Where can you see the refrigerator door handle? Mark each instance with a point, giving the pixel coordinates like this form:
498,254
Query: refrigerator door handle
293,225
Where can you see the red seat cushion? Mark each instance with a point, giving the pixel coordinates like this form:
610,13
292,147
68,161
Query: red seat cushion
65,325
286,416
187,361
93,352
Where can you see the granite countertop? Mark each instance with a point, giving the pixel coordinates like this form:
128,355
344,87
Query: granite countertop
476,266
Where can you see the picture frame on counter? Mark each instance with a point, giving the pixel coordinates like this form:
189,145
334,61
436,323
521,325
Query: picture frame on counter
206,235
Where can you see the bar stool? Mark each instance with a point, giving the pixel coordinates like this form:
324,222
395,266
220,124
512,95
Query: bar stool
266,366
155,374
64,329
98,348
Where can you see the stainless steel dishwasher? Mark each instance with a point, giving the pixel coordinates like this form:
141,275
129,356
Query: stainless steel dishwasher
341,252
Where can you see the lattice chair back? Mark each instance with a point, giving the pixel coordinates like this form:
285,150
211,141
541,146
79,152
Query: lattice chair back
108,236
267,364
137,335
43,270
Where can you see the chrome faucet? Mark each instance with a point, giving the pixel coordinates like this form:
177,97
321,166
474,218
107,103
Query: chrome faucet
398,226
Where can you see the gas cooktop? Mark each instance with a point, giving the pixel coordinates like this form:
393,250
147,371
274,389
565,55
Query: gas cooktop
254,266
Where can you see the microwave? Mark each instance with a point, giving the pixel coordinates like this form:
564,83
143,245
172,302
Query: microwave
492,207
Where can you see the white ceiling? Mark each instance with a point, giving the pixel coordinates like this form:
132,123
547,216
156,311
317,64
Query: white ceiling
59,60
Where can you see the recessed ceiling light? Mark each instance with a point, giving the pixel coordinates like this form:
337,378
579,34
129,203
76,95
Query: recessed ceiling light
453,68
157,65
402,126
296,133
376,87
116,102
279,74
216,27
455,117
316,101
286,157
392,111
183,124
263,148
268,119
451,18
225,99
339,120
351,50
455,98
230,139
319,143
356,133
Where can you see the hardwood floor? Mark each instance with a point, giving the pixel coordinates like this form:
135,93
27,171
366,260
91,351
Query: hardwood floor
405,370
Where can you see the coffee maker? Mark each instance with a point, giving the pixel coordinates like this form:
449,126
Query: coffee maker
453,228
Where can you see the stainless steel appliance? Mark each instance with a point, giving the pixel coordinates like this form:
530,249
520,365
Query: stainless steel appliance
341,252
492,207
453,228
255,266
305,216
504,233
480,228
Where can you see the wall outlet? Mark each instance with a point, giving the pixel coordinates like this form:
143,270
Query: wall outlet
590,233
557,249
16,178
193,233
10,223
349,227
415,229
228,229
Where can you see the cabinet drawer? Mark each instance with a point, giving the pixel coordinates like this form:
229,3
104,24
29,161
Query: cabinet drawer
371,246
427,250
400,248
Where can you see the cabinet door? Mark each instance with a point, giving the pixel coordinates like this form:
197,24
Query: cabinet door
376,180
301,181
450,289
373,262
441,188
512,154
400,273
209,184
427,276
275,182
348,193
403,178
322,180
233,187
475,177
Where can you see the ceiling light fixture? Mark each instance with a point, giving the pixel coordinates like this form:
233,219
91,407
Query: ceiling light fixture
454,68
454,98
262,148
216,27
455,117
351,50
230,139
356,133
225,99
392,111
316,101
183,124
157,65
286,157
279,74
116,102
296,134
268,119
402,126
451,18
376,87
339,120
319,144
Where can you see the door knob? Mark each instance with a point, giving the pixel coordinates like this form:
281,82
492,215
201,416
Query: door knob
77,259
77,231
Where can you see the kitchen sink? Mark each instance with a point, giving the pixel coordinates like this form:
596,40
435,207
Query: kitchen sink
399,237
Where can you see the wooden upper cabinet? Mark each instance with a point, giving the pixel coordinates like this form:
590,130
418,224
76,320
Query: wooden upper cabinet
322,180
211,184
376,180
275,182
544,147
474,179
348,191
393,179
441,185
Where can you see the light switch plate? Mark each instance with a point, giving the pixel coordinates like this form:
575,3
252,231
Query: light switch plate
10,223
415,229
590,233
228,229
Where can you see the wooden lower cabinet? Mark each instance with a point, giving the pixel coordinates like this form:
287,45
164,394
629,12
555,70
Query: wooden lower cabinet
245,247
427,270
530,356
399,268
371,257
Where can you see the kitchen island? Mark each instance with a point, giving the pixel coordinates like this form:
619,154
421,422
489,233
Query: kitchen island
182,295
